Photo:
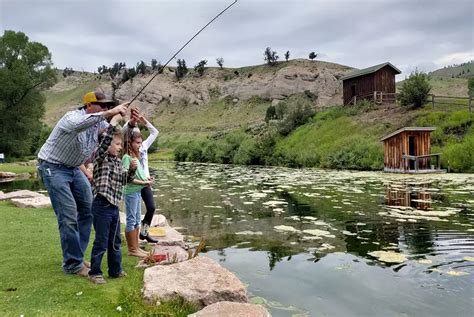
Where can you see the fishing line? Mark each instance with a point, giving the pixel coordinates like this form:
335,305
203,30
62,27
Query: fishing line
182,47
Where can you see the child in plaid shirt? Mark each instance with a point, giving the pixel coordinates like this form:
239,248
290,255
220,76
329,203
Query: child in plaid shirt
109,178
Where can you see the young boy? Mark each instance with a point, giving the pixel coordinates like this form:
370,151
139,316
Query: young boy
109,178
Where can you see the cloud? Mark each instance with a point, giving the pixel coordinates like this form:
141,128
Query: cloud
84,34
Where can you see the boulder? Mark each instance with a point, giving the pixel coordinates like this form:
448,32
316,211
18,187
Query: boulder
231,309
174,254
7,174
200,280
20,194
33,202
159,221
172,237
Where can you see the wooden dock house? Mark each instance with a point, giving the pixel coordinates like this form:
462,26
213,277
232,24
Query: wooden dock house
376,83
407,150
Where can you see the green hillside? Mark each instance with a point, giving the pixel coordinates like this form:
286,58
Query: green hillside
464,70
335,137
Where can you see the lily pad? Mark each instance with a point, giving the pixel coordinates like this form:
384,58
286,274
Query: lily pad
286,228
318,232
456,273
388,256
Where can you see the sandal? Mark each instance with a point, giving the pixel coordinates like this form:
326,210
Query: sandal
97,279
121,274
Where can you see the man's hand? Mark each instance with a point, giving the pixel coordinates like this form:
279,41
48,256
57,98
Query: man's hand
115,120
120,109
86,172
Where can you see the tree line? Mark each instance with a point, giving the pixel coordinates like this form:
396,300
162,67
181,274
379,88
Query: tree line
181,69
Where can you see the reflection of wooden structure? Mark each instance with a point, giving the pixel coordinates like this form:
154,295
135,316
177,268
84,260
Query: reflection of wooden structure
376,83
396,196
407,150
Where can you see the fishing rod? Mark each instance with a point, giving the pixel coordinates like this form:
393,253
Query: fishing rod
182,47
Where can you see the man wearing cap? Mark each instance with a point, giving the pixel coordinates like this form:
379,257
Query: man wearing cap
70,144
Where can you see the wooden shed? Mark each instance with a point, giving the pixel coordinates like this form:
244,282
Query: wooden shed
370,83
407,150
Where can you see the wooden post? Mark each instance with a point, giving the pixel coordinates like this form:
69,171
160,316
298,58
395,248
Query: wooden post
375,97
433,100
416,164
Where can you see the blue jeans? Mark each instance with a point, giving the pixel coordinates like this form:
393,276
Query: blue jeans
107,237
133,210
71,196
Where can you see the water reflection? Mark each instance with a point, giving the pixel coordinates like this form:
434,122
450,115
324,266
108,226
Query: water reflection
301,238
299,218
410,195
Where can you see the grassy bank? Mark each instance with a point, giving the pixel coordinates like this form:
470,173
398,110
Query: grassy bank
17,168
34,285
340,138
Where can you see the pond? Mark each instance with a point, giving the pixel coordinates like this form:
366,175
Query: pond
305,241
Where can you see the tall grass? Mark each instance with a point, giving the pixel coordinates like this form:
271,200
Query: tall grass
454,138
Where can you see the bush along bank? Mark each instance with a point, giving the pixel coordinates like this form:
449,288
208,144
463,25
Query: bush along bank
454,138
333,138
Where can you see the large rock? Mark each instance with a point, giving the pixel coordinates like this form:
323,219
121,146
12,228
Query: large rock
159,221
7,174
172,238
33,202
199,280
174,254
231,309
20,194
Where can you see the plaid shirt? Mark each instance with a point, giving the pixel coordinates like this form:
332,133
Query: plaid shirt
109,175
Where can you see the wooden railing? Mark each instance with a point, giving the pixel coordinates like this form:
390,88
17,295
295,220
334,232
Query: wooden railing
451,100
417,158
380,97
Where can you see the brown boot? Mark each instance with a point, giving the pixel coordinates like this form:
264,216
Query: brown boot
132,244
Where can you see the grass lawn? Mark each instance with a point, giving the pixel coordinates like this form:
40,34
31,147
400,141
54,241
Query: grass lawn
162,155
32,282
17,168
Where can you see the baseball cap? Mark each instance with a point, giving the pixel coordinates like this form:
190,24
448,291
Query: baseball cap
97,97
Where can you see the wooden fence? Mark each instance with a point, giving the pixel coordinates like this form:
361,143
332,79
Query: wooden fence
380,97
436,101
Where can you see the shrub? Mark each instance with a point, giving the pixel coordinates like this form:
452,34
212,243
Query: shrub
270,114
459,157
200,67
246,154
181,69
415,90
220,62
297,117
270,56
470,87
281,108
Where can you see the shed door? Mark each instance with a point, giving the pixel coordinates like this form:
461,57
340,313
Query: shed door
353,90
411,150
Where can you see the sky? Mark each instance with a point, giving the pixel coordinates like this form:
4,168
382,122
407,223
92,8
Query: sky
411,34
